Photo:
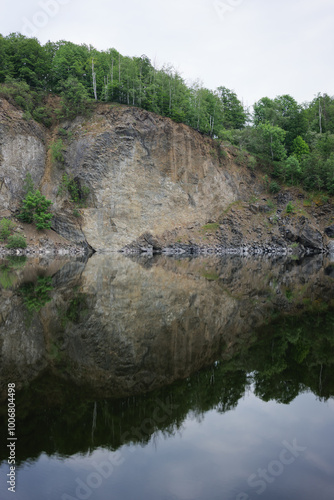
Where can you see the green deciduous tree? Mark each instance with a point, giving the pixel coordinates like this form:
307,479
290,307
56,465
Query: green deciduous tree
16,241
233,114
284,112
292,169
299,148
320,114
329,173
272,141
7,227
75,98
35,209
25,59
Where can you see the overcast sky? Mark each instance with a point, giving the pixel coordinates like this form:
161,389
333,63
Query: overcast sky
255,47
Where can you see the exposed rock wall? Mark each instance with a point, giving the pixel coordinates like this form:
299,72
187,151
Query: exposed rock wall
147,176
145,173
23,147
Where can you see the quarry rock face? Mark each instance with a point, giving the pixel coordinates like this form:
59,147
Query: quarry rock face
144,182
145,174
22,151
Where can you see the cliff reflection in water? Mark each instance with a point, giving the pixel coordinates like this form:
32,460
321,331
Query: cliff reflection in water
60,418
124,326
75,333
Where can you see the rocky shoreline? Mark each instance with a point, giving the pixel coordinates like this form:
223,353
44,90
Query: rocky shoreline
182,249
47,251
177,249
173,249
248,229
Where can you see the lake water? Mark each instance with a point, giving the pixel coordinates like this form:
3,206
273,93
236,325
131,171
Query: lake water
168,378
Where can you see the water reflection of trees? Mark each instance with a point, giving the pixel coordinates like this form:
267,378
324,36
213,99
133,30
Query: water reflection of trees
291,356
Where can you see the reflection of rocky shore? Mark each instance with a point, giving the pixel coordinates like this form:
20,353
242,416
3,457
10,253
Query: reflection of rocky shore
57,416
123,326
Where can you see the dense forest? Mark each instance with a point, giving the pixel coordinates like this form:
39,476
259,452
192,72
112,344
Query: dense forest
294,142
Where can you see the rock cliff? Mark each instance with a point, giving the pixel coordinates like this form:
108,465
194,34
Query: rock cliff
152,183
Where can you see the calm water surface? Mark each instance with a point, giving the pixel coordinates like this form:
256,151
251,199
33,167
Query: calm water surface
162,378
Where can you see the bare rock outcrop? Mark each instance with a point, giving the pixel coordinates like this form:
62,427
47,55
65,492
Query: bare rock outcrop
150,184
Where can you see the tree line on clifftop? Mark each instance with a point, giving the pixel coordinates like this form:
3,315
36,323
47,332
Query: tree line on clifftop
294,142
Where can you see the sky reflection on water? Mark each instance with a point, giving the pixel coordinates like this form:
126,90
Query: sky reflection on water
212,457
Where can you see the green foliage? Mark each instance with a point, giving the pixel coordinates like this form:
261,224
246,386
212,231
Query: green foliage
210,276
266,181
290,208
274,187
299,148
16,241
285,113
28,185
271,205
17,92
77,191
320,114
20,94
272,141
6,229
35,209
42,115
251,162
17,261
36,294
291,170
329,174
234,116
241,158
77,308
8,276
26,60
8,267
211,226
314,172
324,144
66,69
57,148
65,133
75,98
